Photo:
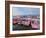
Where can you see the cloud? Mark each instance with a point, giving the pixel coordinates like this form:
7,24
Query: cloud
25,11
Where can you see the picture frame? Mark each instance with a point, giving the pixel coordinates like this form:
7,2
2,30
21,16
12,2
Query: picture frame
16,4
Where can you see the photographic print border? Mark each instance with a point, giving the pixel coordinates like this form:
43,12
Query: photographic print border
7,18
25,31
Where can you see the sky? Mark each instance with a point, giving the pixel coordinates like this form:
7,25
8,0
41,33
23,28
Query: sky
25,11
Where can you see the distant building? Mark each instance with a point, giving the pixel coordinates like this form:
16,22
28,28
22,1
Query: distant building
26,20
